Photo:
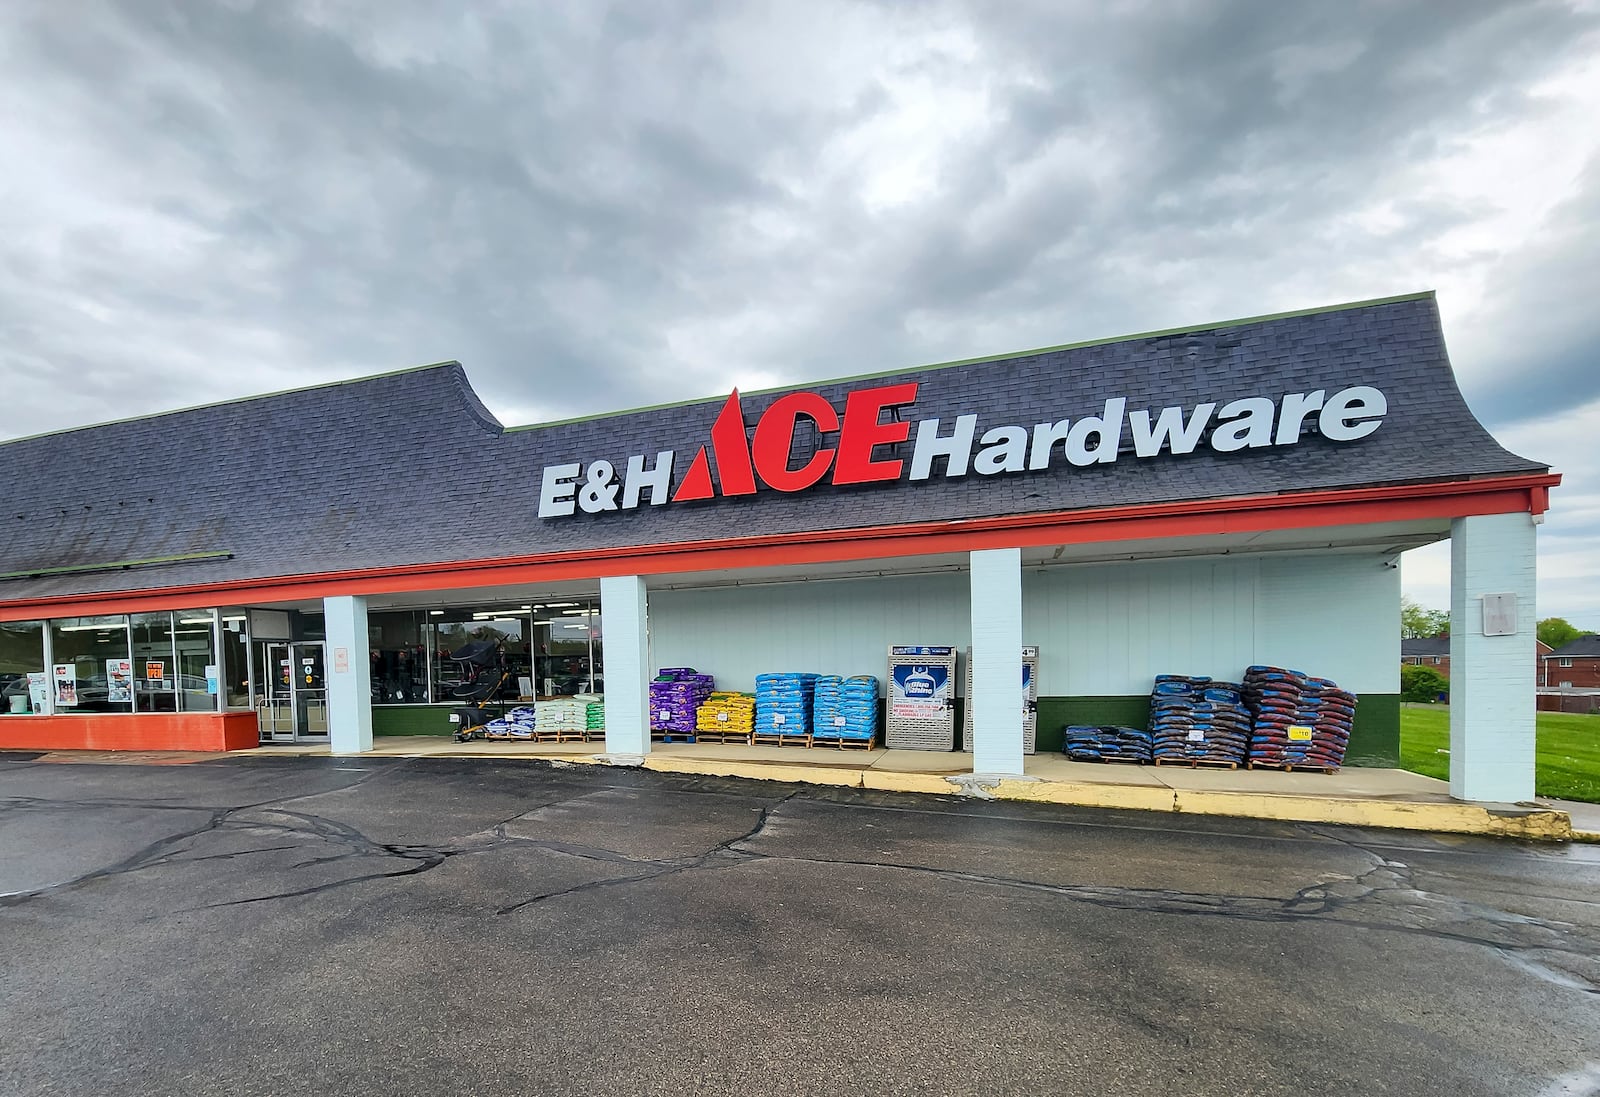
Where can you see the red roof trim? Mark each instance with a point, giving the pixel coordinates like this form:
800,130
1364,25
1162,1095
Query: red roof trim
1241,514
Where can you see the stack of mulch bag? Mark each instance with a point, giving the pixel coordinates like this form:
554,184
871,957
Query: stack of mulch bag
1105,743
1297,720
1195,719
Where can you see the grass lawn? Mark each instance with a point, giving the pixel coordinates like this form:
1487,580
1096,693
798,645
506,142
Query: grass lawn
1566,757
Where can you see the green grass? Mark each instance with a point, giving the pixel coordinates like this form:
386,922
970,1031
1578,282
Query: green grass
1566,756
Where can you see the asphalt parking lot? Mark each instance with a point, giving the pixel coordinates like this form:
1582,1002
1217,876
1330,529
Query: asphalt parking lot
339,926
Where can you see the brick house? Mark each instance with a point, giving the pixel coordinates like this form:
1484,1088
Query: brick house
1434,651
1574,665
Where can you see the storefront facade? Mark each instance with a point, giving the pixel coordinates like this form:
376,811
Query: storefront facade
299,566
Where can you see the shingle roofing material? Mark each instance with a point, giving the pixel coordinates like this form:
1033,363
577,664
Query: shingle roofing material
1584,647
411,468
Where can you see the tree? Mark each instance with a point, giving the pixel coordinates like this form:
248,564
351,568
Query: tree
1556,631
1418,622
1422,684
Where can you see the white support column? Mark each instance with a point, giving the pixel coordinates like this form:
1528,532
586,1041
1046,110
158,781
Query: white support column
996,662
1491,677
625,642
348,672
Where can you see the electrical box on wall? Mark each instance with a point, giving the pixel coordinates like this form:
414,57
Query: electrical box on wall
1499,614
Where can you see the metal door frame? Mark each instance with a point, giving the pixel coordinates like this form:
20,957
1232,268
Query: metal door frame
280,714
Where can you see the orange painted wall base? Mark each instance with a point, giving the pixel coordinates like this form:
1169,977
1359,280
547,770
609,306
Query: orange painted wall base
211,731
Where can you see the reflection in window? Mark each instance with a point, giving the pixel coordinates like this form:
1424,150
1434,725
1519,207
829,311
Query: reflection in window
92,670
22,655
399,659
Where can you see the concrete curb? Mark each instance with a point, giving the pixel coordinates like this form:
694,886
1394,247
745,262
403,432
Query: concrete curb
1536,824
1526,822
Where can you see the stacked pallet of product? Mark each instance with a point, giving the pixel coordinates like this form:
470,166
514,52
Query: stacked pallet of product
1198,721
1297,720
726,716
561,719
516,724
783,705
594,715
845,708
674,696
1105,743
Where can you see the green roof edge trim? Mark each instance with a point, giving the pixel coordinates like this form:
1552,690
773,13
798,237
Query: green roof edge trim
1423,295
119,565
236,400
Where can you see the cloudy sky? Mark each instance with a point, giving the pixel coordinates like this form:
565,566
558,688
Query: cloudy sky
597,206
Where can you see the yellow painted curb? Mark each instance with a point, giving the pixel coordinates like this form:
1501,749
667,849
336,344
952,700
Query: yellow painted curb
1452,818
1128,797
718,767
890,781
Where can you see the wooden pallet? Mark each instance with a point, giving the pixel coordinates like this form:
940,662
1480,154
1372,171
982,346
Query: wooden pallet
1197,763
559,735
1290,767
1110,761
842,742
773,739
723,737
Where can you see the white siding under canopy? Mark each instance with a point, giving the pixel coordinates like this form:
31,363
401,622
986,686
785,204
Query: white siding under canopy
1101,629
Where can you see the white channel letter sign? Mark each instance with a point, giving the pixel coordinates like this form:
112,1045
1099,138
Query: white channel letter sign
745,459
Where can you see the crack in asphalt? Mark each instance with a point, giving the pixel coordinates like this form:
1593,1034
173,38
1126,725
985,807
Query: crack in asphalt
666,868
1350,901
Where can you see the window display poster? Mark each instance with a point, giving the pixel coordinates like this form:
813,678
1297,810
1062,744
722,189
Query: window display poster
919,692
39,690
155,670
66,679
119,681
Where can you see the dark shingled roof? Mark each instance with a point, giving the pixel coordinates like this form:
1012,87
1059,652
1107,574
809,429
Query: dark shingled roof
1425,646
1584,647
410,468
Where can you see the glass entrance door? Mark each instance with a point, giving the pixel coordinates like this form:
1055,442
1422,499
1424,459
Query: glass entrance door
294,702
310,691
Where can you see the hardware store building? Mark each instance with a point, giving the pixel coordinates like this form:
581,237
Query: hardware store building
299,565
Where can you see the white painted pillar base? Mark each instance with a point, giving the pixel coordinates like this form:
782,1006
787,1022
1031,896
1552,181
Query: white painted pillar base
348,672
625,640
1491,677
996,699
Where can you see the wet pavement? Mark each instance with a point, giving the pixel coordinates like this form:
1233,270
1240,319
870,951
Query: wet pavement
419,926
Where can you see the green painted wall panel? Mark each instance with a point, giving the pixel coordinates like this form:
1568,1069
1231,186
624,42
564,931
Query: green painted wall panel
411,720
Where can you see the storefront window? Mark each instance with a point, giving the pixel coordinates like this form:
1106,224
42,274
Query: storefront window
194,639
92,670
22,656
452,630
568,638
399,658
155,672
235,659
173,661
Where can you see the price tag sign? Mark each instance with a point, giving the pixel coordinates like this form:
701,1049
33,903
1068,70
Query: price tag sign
778,718
722,717
838,721
1299,733
664,714
1196,735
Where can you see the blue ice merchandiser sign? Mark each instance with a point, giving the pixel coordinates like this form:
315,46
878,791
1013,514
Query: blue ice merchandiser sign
919,691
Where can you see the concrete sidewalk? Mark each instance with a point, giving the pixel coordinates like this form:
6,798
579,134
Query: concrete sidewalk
1390,798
